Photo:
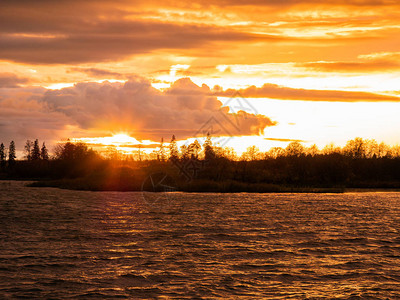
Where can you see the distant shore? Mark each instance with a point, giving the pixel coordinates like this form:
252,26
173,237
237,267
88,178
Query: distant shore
81,185
76,167
204,187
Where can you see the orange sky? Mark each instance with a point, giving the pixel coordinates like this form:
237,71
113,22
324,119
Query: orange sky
309,70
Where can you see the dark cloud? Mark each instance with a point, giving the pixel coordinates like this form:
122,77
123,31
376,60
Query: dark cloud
50,3
75,32
24,117
302,2
43,33
9,80
102,44
100,73
285,93
284,140
380,65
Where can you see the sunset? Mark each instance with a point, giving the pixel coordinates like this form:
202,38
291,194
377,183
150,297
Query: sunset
204,149
318,72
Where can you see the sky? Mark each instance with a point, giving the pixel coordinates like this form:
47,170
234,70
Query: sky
250,72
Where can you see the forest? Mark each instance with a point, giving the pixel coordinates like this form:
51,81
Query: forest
194,167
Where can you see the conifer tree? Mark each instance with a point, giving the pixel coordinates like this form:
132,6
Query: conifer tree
35,154
44,154
11,154
28,149
2,156
209,152
173,149
161,151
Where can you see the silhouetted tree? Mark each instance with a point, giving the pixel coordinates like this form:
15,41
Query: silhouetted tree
184,152
112,153
2,156
355,148
225,152
11,154
68,152
371,149
252,153
209,152
161,152
72,151
139,153
173,149
44,154
295,149
28,149
383,150
395,151
275,152
331,149
35,154
193,150
312,151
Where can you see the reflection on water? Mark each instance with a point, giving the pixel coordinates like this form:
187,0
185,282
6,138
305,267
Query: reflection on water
63,244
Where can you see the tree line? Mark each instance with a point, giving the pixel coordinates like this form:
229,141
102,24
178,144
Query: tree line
356,148
208,167
34,152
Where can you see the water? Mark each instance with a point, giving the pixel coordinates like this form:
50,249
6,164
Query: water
71,244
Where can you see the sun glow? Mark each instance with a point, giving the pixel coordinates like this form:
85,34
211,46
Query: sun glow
123,143
311,67
116,140
121,138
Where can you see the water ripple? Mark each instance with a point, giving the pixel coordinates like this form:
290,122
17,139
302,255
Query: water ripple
71,244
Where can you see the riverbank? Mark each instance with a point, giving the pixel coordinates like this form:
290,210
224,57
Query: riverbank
198,186
195,186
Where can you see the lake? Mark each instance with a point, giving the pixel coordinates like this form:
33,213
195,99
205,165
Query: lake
73,244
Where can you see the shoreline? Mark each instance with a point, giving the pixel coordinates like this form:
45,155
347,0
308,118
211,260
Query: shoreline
245,188
239,187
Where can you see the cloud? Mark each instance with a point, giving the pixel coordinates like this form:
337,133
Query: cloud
286,93
135,107
46,33
375,62
284,140
99,73
352,67
74,32
77,32
9,80
23,116
302,2
138,107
